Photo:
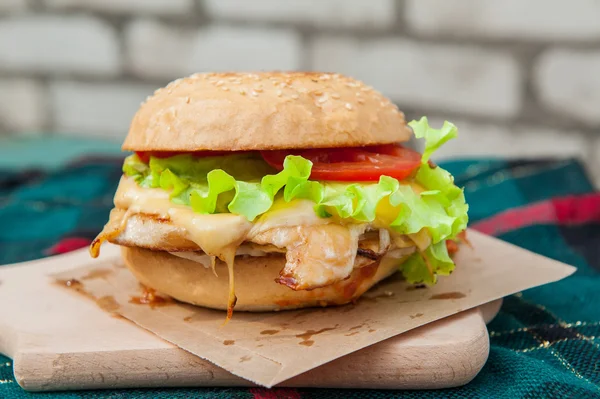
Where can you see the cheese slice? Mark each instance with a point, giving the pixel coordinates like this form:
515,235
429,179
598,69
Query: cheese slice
319,251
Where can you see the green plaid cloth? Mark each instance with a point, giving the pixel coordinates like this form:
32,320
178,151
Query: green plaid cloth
545,341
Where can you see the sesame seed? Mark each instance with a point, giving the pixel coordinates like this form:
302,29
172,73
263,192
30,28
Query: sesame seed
243,92
295,96
187,100
220,83
279,93
335,76
258,89
321,100
318,93
348,106
325,77
225,88
253,93
361,100
335,96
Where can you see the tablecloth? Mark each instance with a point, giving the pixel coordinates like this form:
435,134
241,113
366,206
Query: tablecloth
545,342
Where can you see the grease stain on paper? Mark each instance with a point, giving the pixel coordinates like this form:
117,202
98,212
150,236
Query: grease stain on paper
269,332
108,303
448,295
307,335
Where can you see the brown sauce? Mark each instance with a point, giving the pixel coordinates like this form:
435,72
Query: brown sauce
228,342
307,335
416,315
245,358
71,283
358,277
269,332
150,298
449,295
108,303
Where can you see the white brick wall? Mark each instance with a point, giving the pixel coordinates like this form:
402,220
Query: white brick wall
568,82
476,139
448,78
21,105
545,20
83,66
58,44
158,51
159,7
97,109
12,5
348,13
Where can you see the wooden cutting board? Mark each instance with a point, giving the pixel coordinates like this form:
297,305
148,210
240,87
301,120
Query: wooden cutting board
61,341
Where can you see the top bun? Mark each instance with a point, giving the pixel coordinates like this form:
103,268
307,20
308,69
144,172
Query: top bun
262,111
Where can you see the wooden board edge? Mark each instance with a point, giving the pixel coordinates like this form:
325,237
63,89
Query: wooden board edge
391,365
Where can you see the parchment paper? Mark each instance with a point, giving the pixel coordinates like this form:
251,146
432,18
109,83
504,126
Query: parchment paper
268,348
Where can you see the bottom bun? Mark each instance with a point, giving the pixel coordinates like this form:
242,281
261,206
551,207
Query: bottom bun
255,286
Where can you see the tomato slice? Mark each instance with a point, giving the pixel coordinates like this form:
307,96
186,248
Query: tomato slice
144,156
353,164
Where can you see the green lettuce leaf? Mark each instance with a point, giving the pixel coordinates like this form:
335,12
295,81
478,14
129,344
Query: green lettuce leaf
426,266
434,138
245,184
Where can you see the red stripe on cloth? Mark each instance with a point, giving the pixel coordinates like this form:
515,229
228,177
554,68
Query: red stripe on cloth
275,393
68,244
562,211
578,210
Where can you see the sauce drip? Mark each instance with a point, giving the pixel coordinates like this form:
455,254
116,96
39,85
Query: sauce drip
150,298
71,283
307,335
107,236
232,299
449,295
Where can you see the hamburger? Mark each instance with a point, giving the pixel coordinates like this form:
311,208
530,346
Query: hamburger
270,191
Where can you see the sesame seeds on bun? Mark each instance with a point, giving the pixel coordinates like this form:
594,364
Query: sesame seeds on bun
261,111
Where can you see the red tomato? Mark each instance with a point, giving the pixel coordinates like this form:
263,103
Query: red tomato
145,156
353,164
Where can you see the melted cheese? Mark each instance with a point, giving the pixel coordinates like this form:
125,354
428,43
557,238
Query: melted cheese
319,251
214,234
